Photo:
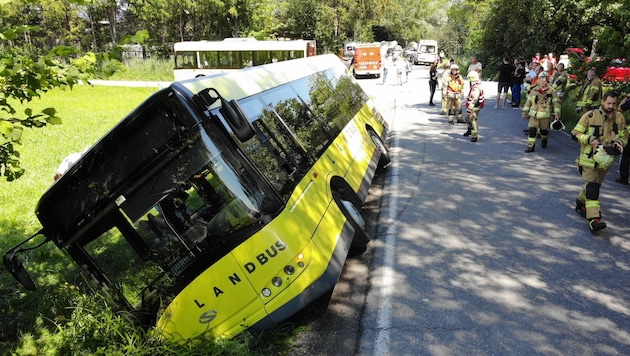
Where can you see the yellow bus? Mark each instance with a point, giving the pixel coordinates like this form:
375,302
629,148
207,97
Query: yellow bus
223,203
197,58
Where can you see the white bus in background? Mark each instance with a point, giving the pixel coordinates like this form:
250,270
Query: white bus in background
197,58
427,52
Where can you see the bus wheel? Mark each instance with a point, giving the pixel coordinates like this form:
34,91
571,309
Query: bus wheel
361,237
385,159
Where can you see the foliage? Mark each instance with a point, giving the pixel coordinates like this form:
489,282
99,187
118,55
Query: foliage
149,69
25,74
50,44
526,27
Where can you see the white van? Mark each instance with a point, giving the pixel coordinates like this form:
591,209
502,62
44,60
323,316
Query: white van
427,52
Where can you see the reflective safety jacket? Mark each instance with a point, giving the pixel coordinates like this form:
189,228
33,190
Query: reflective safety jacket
559,81
455,84
542,103
595,124
590,94
475,101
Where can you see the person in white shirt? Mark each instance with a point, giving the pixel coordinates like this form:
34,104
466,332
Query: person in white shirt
475,65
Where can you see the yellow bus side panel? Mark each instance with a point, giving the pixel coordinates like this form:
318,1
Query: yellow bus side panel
214,302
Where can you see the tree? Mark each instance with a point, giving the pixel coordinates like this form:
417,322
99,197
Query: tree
526,27
26,73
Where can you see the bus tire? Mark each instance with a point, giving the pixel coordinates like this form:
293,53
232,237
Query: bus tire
350,205
385,159
360,239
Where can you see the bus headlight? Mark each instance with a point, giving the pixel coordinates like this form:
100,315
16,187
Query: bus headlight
289,269
266,292
276,281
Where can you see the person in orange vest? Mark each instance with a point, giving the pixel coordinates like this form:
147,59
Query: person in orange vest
454,94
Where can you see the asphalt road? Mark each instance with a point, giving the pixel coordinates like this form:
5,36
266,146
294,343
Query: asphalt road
477,249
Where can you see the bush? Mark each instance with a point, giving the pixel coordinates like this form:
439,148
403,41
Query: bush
149,69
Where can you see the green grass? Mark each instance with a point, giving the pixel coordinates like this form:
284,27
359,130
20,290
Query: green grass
150,69
64,316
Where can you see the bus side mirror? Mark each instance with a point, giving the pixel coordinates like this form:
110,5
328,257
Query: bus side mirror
13,264
238,122
17,270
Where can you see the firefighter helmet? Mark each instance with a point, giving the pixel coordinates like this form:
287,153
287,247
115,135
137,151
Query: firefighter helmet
557,125
603,159
473,76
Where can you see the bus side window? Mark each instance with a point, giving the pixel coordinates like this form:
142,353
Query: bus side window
224,59
261,57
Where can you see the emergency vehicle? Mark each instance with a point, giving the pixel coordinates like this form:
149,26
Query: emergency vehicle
366,60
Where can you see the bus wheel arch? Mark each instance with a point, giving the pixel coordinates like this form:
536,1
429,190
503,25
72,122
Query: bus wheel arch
385,159
350,205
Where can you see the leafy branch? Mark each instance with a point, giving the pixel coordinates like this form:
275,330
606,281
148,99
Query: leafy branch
26,74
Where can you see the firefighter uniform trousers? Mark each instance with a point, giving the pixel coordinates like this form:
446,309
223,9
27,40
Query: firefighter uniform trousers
444,110
472,122
534,125
589,195
444,92
454,107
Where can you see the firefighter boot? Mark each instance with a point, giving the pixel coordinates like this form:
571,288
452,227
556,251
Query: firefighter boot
596,224
468,132
544,144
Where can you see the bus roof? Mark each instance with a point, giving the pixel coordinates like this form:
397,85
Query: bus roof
261,78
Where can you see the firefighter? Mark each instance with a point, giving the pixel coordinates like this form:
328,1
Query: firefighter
559,81
542,103
474,103
591,92
602,134
445,76
454,93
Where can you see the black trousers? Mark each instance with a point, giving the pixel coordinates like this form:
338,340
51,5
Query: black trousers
432,86
624,164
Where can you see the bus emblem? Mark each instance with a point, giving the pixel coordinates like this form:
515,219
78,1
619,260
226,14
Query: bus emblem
207,316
